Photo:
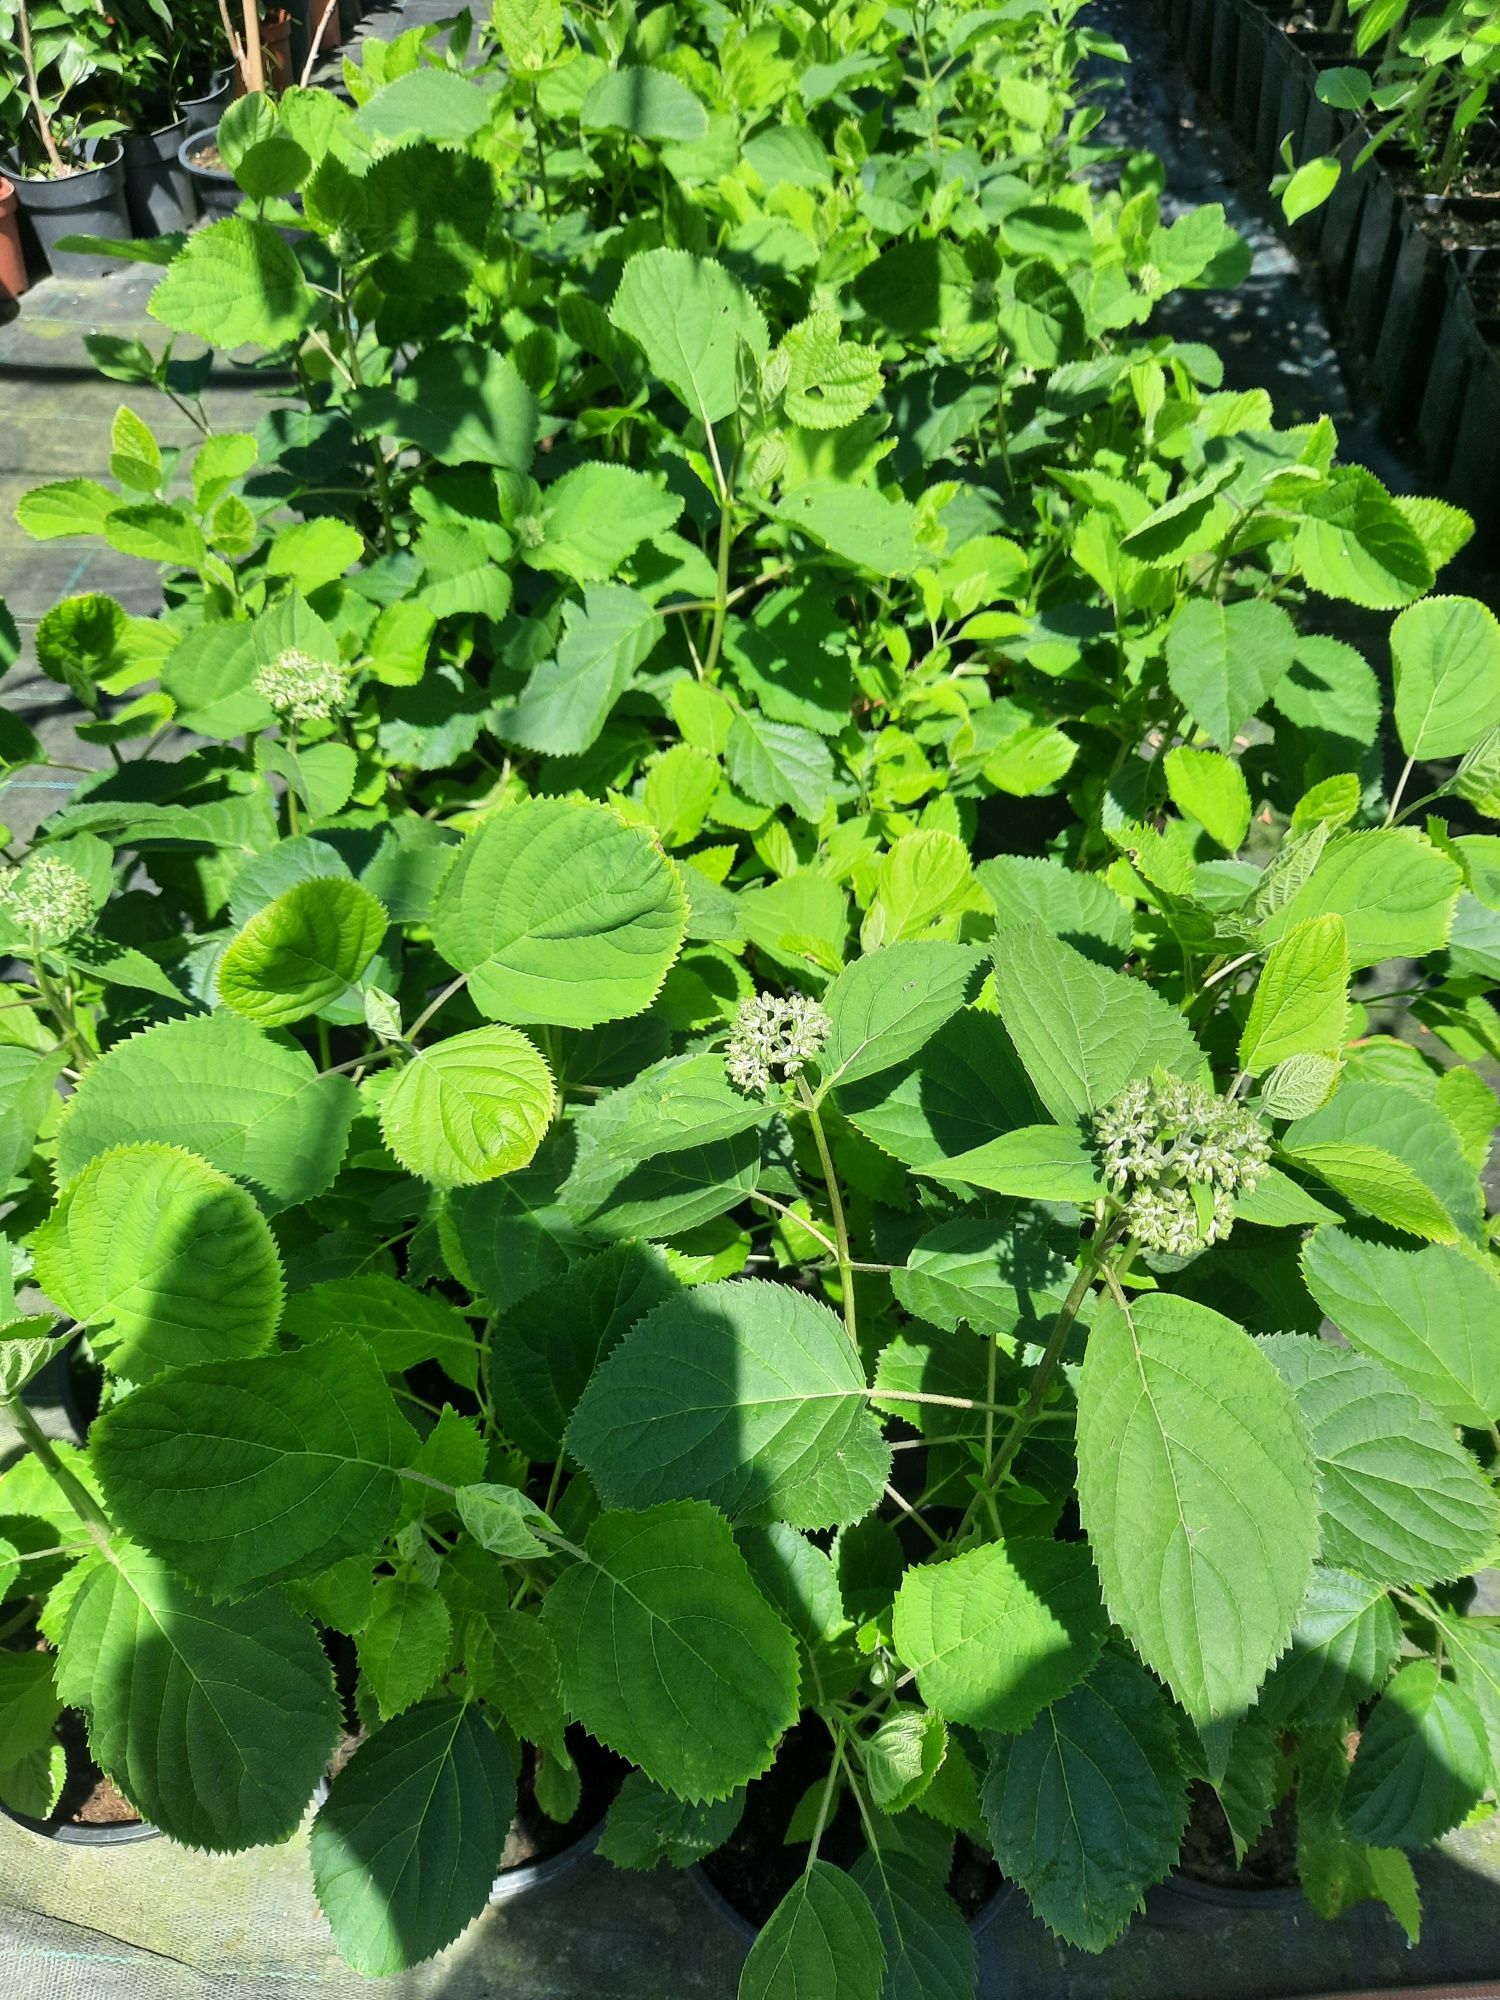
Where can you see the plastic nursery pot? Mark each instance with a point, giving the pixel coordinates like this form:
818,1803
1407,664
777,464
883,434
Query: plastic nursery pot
1182,1902
215,189
1408,326
91,1811
1474,478
206,106
159,193
1197,48
88,202
13,277
1252,50
1342,213
1453,352
1223,51
1372,260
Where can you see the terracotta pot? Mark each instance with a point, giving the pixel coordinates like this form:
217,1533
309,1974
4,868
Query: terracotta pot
13,278
332,36
276,53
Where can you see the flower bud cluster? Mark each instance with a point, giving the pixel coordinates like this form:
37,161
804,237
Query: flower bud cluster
772,1040
1176,1155
302,688
48,898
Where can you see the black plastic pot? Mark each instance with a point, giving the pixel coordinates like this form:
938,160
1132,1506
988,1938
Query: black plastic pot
72,1833
1403,351
1184,1903
749,1931
1448,377
1197,47
1342,214
513,1883
1372,261
1474,477
208,107
1277,56
1251,50
90,202
1223,52
215,188
159,193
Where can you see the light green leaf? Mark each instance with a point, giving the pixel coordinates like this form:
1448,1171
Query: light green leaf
568,698
252,1106
1354,543
999,1633
646,102
1082,910
1087,1808
470,1108
234,284
216,1722
742,1393
855,523
779,764
1082,1031
1401,1502
1198,1494
700,330
134,455
1431,1315
1224,661
302,951
502,1519
1474,1651
989,1273
1422,1763
1301,1000
924,883
156,532
821,1939
1343,1645
1039,1162
670,1654
1394,1156
1394,890
831,381
402,1326
164,1258
685,1101
560,913
903,1755
243,1473
1211,789
311,553
406,1642
595,516
66,507
434,105
1446,656
963,1086
885,1007
461,403
407,1844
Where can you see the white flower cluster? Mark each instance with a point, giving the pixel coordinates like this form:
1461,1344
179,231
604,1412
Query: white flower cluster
302,688
1176,1155
48,898
772,1039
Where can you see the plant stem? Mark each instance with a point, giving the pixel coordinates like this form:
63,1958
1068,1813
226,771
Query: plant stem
541,157
433,1005
826,1801
73,1491
377,456
835,1208
28,63
60,1011
1406,771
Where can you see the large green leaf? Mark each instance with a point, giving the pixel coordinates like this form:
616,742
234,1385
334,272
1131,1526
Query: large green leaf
1087,1808
743,1393
963,1087
1082,910
216,1721
1422,1763
1198,1494
561,913
821,1940
1401,1501
1224,661
929,1949
234,284
595,516
406,1643
470,1108
215,1085
302,951
1082,1031
886,1006
568,698
544,1349
647,102
1392,1154
1395,892
402,1326
1446,657
243,1473
164,1258
1431,1315
855,523
1041,1162
1474,1650
407,1843
779,764
685,1101
461,403
1355,543
1301,1001
1343,1645
670,1654
992,1273
699,329
1001,1632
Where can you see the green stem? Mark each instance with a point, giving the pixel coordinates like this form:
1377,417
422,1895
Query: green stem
377,456
73,1491
60,1011
835,1208
541,157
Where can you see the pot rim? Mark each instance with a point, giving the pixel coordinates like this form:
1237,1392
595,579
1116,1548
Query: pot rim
97,165
82,1833
195,139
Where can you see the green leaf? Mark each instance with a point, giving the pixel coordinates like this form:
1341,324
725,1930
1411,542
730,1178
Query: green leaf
1431,1315
213,1084
403,1327
568,699
922,887
164,1258
1400,1501
700,330
671,1106
216,1721
436,106
157,532
301,952
1393,1155
29,1704
1394,890
1198,1494
1474,1652
670,1654
502,1519
1082,1031
134,455
311,553
902,1756
1224,661
855,523
822,1938
742,1393
792,657
461,403
1082,910
1040,1162
406,1642
962,1086
560,913
646,1827
778,764
1087,1808
1343,1645
1446,656
66,507
1301,1000
886,1006
1211,789
830,381
513,1664
929,1950
646,102
594,517
545,1348
235,284
991,1274
1354,543
998,1634
407,1843
1422,1763
470,1108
